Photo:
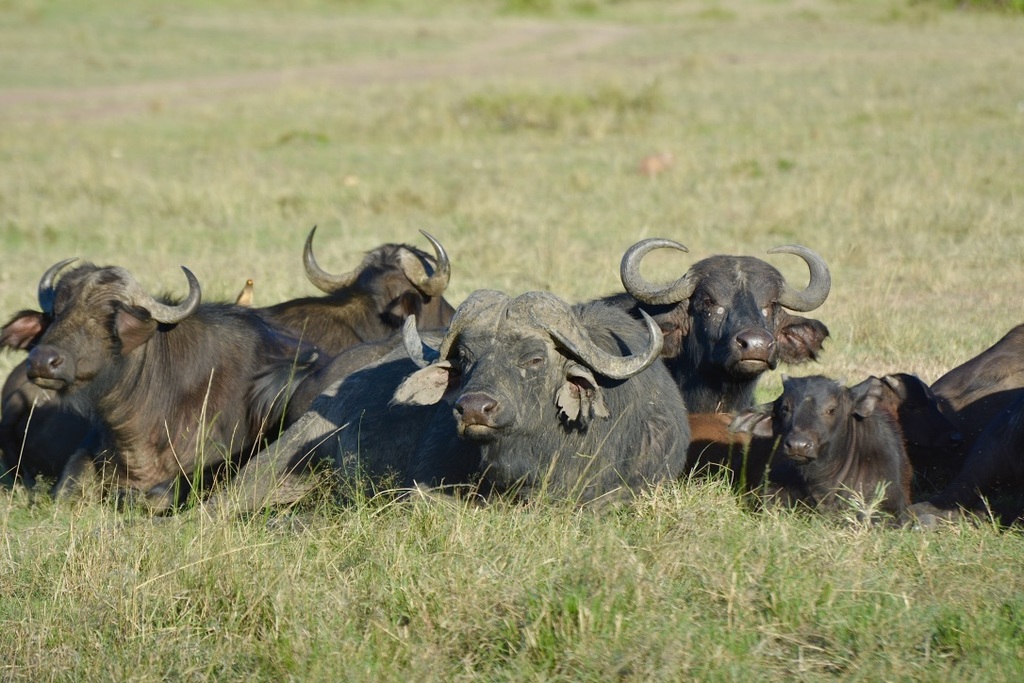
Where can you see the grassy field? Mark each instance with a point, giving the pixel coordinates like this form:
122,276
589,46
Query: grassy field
886,135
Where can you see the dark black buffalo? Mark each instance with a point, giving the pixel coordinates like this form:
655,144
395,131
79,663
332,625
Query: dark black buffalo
839,443
38,433
177,388
974,393
928,432
994,468
725,321
540,397
749,458
923,423
371,302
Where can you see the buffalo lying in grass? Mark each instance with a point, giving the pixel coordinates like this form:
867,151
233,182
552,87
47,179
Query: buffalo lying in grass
370,302
532,395
178,388
839,444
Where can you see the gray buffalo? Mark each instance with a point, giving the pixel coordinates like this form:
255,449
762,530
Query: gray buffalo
527,396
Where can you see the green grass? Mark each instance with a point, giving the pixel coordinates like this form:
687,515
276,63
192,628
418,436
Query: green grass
885,135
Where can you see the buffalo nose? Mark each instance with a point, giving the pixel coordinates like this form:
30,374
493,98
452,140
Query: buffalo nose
477,408
798,446
44,362
755,341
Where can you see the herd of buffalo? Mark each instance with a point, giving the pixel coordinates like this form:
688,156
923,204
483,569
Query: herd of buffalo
384,382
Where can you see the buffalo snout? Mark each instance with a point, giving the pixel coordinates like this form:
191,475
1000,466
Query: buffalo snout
479,414
48,368
755,343
799,447
755,351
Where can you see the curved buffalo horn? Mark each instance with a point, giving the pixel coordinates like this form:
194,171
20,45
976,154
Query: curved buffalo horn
555,317
421,354
429,285
320,278
648,292
165,313
817,289
46,292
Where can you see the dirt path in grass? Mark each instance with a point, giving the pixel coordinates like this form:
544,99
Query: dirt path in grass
513,49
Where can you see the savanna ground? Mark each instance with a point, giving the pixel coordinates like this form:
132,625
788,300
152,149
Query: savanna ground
887,135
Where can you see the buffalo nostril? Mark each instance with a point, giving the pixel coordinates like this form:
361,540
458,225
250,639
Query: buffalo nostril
44,362
755,340
798,446
477,407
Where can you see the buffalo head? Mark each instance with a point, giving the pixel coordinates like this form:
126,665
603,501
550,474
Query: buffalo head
509,358
812,414
89,316
725,321
401,279
556,393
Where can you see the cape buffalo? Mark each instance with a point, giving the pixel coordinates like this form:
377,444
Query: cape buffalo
544,390
725,322
540,397
973,394
994,467
839,441
749,458
38,433
177,388
928,432
393,282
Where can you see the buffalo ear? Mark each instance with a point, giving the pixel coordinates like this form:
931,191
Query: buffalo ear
800,339
23,331
675,325
866,396
897,386
684,318
756,420
427,385
672,341
134,327
579,398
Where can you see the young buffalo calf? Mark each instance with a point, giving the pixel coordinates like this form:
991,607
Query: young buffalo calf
840,443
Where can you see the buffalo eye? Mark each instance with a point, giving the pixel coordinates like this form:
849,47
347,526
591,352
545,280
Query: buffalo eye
710,307
532,361
830,411
464,357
